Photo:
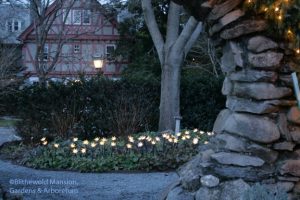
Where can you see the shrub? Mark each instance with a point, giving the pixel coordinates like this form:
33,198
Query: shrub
261,192
201,99
87,108
147,151
99,106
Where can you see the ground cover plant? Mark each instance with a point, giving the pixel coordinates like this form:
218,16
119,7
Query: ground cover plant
142,152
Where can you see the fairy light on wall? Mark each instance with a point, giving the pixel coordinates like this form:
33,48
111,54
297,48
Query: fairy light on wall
284,13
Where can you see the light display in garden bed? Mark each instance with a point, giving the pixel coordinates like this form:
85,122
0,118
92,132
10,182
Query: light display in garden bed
148,151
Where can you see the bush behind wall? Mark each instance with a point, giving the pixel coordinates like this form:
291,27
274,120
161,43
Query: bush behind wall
104,107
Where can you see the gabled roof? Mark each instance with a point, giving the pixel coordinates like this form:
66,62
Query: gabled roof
24,35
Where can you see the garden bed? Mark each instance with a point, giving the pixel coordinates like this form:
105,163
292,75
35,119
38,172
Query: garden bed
142,152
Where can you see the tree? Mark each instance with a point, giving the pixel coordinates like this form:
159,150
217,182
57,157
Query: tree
172,51
43,20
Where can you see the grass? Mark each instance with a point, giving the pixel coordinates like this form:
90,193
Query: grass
8,122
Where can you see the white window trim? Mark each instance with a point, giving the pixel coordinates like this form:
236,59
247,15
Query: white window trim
12,26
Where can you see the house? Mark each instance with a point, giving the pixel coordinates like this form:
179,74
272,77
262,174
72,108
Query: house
84,31
14,19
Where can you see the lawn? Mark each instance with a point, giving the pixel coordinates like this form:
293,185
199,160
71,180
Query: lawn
8,122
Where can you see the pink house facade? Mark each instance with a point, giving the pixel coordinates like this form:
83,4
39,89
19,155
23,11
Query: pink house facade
87,32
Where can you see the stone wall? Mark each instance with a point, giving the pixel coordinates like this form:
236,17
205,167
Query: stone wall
258,132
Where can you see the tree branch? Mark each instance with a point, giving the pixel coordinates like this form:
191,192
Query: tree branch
153,28
193,38
173,24
185,34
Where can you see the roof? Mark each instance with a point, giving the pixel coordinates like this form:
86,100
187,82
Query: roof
25,34
11,12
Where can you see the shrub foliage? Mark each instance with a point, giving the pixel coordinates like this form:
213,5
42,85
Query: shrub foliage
102,107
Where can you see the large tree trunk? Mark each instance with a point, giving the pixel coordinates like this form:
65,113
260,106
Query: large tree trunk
170,95
171,52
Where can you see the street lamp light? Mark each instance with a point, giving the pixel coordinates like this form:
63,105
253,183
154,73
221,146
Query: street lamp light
99,61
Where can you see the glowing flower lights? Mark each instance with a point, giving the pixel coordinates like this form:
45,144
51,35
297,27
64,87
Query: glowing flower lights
93,144
140,144
144,143
83,150
86,142
113,144
195,141
72,145
75,151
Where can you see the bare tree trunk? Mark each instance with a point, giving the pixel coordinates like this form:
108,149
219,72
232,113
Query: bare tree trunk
170,95
171,53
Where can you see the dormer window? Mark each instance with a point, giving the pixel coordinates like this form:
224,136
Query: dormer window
77,17
13,25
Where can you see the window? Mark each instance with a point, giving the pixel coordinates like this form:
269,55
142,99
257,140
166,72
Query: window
76,16
110,51
86,17
13,25
76,48
45,53
9,26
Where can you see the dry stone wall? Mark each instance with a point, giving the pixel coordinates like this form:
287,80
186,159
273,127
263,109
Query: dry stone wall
258,134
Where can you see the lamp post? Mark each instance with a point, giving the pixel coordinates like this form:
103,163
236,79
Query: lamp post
177,124
99,62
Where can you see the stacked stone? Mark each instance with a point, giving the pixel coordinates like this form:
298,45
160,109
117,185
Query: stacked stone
258,132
